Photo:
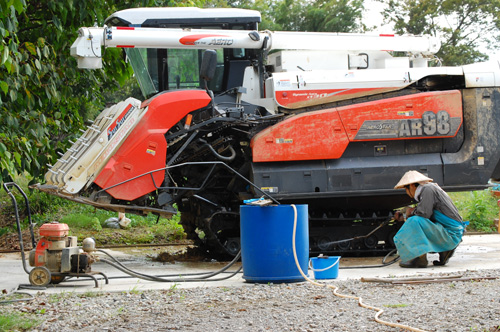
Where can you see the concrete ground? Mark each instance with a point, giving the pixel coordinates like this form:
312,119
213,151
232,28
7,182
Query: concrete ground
476,252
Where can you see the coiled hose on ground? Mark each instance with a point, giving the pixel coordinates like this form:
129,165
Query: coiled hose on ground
335,288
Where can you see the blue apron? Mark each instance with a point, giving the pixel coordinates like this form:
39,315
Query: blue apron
419,235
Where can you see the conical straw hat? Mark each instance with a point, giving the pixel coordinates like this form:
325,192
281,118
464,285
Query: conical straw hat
412,177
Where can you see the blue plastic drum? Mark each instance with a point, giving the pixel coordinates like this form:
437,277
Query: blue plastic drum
266,243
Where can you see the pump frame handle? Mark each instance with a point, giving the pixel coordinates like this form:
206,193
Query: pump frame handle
6,186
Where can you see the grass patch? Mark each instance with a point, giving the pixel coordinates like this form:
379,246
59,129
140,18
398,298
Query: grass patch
89,222
80,220
135,290
17,322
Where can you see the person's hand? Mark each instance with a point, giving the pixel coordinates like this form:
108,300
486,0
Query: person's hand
409,211
399,216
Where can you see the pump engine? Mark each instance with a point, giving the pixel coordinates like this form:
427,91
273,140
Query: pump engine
57,255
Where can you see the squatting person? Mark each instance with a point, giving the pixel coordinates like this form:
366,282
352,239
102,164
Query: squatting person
433,226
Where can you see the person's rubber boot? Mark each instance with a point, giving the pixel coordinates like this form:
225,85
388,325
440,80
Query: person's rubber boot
419,262
444,257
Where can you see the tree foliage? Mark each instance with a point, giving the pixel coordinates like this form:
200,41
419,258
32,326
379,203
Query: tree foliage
334,16
464,26
44,97
306,15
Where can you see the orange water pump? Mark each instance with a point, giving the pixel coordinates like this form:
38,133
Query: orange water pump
56,255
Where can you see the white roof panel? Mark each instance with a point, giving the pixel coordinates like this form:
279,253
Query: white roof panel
137,16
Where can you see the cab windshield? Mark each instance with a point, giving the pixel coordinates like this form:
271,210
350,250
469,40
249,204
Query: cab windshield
158,70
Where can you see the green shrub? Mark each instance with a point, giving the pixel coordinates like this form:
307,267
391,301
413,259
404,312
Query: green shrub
478,207
168,230
138,221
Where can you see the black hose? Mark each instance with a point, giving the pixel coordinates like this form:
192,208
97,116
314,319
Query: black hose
134,274
389,254
218,155
163,275
25,299
203,276
18,222
384,263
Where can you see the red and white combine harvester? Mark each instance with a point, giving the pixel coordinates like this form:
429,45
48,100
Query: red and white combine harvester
325,119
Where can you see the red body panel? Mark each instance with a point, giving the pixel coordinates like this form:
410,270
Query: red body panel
325,134
314,135
145,149
423,115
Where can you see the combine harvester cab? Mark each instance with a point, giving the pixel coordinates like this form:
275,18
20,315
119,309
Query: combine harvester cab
325,119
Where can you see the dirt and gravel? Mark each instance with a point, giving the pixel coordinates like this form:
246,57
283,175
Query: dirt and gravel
472,305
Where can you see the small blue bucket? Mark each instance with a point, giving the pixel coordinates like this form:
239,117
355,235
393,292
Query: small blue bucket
325,267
